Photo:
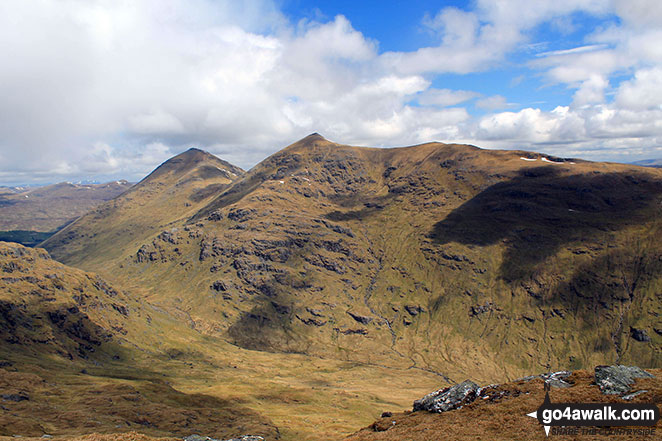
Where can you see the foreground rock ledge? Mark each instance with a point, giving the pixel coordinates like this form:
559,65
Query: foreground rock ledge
450,398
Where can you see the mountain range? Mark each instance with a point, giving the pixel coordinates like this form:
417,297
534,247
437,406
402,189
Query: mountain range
346,278
29,215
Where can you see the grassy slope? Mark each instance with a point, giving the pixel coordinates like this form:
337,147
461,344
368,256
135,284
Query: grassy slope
97,370
177,188
502,418
509,266
515,266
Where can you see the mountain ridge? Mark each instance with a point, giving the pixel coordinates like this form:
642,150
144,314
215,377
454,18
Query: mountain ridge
331,280
355,252
47,208
175,187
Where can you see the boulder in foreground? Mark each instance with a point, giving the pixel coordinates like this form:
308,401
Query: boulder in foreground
617,380
450,398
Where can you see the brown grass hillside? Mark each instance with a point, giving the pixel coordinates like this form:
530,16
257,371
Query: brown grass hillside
350,276
176,189
79,355
445,258
504,417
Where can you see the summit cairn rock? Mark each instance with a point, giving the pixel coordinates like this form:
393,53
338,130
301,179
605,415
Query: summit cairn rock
450,398
617,380
241,438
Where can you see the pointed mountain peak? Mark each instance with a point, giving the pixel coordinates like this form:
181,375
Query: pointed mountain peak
193,153
313,137
311,141
190,160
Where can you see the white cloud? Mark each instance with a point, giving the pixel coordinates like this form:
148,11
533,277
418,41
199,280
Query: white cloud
640,13
445,97
107,87
593,132
642,92
591,91
157,121
574,50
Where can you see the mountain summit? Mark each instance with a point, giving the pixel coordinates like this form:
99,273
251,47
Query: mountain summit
441,258
175,189
195,163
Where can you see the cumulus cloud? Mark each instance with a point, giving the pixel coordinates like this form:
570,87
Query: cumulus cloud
104,87
642,92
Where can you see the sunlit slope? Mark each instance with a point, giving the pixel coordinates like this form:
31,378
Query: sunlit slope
80,355
437,257
176,189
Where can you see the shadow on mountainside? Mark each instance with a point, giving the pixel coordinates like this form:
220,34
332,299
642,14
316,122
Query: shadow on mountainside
541,210
98,401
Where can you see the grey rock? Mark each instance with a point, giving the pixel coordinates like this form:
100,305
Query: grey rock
450,398
414,310
242,215
219,285
617,380
352,331
634,394
639,334
241,438
199,438
360,318
480,309
557,379
554,379
311,321
247,438
215,216
15,397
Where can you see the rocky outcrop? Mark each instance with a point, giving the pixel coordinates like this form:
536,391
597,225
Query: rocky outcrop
639,334
241,214
206,438
459,395
450,398
481,309
364,320
414,310
553,379
618,380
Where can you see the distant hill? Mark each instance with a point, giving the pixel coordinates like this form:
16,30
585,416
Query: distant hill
29,215
649,163
440,258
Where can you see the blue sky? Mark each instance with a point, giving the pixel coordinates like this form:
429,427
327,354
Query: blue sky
104,89
401,26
